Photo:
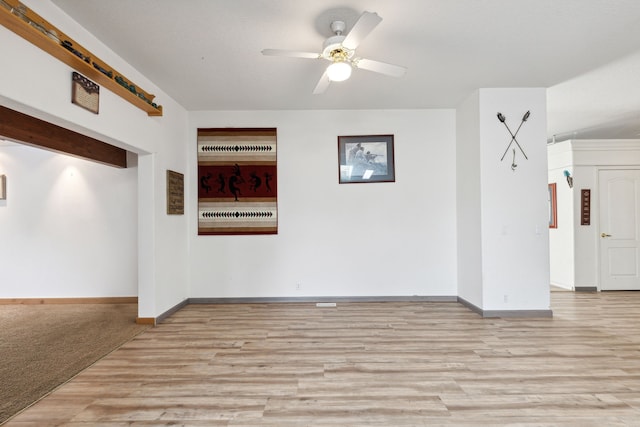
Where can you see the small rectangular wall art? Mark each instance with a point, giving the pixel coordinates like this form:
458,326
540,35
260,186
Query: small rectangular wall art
85,93
585,206
175,193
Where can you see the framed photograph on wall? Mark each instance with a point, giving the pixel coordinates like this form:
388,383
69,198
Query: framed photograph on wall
366,158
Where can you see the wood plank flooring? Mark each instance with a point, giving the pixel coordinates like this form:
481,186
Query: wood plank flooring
366,364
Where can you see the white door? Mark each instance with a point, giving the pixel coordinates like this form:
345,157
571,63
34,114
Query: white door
619,194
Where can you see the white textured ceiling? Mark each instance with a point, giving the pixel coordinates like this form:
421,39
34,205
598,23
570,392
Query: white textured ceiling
206,53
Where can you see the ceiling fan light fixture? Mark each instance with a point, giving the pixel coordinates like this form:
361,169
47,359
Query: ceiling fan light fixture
339,71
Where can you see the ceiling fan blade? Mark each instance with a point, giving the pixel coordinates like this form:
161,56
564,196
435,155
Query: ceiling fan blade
290,53
380,67
361,29
322,85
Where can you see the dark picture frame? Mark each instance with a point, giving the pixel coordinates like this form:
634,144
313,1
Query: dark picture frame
553,209
366,158
175,193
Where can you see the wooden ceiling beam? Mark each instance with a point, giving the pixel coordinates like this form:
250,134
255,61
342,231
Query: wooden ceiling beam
29,130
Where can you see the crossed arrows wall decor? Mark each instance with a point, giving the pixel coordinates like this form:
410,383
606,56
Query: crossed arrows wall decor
503,120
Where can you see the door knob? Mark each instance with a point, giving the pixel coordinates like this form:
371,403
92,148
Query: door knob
605,235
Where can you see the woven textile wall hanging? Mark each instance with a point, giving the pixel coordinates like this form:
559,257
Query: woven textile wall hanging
237,181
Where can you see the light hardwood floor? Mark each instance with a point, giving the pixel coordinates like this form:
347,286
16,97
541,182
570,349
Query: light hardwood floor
366,364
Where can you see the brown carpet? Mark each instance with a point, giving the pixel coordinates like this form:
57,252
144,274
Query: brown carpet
43,346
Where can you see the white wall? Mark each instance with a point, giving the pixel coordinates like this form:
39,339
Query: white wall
35,83
587,158
378,239
68,227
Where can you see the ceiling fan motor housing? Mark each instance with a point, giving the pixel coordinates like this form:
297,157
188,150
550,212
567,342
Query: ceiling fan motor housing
332,48
338,27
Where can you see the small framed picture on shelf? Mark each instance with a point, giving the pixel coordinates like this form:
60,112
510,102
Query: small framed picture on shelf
85,93
366,158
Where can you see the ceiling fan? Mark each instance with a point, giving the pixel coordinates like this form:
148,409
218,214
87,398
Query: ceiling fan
340,50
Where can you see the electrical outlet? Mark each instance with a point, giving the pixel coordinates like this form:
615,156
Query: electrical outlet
506,298
298,286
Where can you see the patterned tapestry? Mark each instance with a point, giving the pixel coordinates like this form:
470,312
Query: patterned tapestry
237,181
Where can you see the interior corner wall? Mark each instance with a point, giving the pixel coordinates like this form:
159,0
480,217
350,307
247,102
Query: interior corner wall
68,226
502,210
561,238
469,245
35,83
585,239
353,240
515,212
147,301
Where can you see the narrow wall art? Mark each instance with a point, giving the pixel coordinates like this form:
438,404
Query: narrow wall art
3,187
237,181
553,209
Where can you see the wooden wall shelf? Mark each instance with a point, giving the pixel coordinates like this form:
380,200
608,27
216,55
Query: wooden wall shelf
33,28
